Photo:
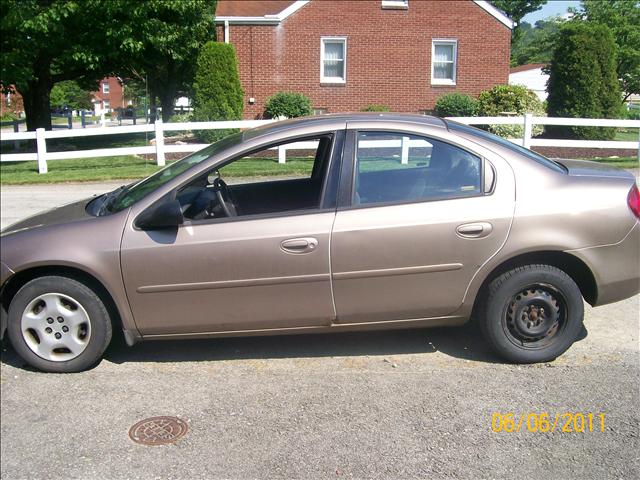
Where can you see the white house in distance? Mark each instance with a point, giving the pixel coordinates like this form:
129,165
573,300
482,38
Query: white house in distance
532,77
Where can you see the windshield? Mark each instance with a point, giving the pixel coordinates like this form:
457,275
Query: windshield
129,196
455,126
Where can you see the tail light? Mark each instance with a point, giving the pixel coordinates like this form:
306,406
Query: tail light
633,200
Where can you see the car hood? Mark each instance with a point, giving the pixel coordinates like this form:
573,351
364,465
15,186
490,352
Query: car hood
584,168
71,212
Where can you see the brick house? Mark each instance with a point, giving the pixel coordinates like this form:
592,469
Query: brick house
347,54
109,96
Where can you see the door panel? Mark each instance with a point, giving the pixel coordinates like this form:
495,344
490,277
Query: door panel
226,276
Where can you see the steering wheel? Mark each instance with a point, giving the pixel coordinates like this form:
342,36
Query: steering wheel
222,190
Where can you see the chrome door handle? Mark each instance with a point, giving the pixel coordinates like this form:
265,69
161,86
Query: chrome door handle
474,230
299,245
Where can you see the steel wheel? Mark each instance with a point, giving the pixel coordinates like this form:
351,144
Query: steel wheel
534,316
56,327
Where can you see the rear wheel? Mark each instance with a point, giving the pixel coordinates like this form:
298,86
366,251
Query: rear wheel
58,324
532,314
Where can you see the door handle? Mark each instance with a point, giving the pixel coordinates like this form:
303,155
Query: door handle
475,230
299,245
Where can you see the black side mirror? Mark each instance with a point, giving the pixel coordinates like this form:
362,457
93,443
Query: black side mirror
167,214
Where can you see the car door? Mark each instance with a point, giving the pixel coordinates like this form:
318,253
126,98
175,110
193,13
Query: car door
423,212
253,272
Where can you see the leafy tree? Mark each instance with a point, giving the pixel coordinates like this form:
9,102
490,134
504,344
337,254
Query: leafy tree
582,79
456,105
161,40
623,19
536,43
288,104
517,9
217,93
70,95
43,42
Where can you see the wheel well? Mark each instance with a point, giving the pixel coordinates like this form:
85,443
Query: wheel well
571,265
17,281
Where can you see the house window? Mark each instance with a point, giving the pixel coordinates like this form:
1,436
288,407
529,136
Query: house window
333,60
395,4
105,88
444,55
320,111
105,104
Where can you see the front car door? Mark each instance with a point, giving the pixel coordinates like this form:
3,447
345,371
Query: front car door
424,211
267,268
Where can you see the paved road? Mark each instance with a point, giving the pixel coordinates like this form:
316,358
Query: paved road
405,404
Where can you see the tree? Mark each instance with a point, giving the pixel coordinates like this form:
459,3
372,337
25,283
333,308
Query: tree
582,78
68,94
535,43
217,93
43,42
162,39
623,19
517,9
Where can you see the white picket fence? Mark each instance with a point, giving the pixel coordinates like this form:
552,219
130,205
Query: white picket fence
42,156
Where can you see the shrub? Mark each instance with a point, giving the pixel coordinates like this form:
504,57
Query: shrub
510,100
375,108
181,117
217,93
582,79
289,105
456,105
8,117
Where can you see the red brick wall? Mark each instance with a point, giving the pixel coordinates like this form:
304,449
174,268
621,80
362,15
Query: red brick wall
115,97
388,53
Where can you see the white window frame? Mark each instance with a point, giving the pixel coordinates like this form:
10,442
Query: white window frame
324,79
105,88
444,41
106,105
395,4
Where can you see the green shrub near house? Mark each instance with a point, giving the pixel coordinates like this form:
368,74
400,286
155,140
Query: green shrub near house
456,105
375,108
217,92
289,105
582,80
510,100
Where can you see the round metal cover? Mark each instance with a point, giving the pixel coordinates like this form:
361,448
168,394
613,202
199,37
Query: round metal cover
158,430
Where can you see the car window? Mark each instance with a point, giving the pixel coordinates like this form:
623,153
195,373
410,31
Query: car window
398,167
279,178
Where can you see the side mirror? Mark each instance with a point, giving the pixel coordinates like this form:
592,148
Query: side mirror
167,214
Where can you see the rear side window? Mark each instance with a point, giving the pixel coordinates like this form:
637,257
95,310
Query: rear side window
396,167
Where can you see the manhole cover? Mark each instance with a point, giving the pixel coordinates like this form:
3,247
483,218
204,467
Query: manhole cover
158,430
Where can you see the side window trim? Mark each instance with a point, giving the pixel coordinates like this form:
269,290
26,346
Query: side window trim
349,171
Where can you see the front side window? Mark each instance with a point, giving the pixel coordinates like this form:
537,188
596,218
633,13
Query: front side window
444,62
397,167
259,183
333,61
105,88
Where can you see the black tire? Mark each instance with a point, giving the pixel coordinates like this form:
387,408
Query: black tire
98,319
532,314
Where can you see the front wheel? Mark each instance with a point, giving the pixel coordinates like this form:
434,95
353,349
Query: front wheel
532,314
58,324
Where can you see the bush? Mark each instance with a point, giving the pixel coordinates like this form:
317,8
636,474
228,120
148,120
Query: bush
289,105
583,81
217,93
456,105
375,108
512,100
181,117
8,117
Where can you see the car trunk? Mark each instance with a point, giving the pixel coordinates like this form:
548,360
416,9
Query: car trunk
584,168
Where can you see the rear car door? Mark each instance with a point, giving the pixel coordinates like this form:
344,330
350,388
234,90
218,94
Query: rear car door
423,210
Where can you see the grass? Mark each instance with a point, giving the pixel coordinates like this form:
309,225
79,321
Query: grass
627,135
130,167
620,162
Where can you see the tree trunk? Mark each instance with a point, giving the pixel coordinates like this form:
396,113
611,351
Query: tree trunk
167,90
153,105
35,96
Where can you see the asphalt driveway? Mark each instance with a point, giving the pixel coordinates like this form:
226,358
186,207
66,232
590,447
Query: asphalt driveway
403,404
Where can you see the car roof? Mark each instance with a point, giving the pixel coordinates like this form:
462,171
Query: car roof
321,120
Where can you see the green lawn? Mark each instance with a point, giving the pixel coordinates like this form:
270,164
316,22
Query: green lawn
627,135
621,162
134,167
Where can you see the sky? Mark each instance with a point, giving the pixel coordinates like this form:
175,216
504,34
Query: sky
551,9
